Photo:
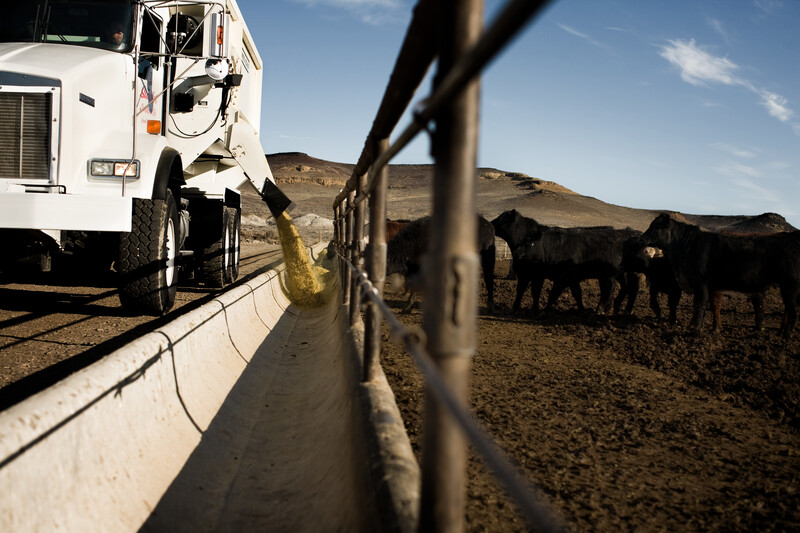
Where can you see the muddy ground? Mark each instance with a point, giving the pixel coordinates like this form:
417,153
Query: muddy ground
629,423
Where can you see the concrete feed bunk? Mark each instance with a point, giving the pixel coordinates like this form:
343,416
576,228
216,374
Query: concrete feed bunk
245,414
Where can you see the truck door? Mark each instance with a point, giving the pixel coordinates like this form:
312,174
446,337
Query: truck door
150,79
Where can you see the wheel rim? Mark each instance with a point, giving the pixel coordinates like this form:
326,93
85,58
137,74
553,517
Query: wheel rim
169,271
226,249
236,247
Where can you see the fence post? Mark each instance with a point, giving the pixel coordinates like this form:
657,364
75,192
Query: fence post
349,247
336,237
376,266
450,274
358,251
341,240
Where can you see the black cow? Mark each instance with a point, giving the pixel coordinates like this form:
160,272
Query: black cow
392,227
564,255
705,262
650,261
405,251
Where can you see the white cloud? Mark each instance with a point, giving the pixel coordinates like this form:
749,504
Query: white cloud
780,165
776,106
701,68
738,170
716,25
753,189
372,12
698,66
353,4
770,7
583,36
733,150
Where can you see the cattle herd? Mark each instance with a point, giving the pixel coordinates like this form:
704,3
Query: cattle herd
672,254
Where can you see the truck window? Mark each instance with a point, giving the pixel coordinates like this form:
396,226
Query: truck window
151,38
106,24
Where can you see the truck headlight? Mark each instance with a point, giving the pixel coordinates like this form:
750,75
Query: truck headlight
114,168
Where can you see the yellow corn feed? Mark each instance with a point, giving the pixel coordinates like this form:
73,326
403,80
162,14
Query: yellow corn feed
306,284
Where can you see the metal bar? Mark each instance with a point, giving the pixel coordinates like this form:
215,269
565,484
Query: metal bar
416,55
349,246
342,235
358,252
505,27
337,239
450,273
376,266
451,269
527,497
169,85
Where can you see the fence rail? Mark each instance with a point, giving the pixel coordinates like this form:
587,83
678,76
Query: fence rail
451,31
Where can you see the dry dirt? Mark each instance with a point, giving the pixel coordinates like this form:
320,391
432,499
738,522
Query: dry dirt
628,423
625,423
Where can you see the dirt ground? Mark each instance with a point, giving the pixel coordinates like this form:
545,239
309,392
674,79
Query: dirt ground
53,324
626,423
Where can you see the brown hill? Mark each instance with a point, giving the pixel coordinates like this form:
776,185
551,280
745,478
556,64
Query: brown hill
313,184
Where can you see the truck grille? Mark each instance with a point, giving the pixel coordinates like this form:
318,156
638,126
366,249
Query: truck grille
25,135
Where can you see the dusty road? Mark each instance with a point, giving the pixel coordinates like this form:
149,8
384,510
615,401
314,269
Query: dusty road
53,325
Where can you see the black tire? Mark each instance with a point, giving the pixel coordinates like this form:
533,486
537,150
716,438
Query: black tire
148,257
233,226
213,259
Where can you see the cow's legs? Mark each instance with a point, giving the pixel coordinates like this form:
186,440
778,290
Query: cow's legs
522,284
555,293
605,294
536,292
577,294
412,301
487,265
632,289
625,290
673,299
700,303
654,305
716,304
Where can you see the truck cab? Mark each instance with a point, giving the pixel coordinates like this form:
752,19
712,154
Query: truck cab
127,127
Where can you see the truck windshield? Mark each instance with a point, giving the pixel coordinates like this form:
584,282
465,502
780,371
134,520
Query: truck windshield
106,24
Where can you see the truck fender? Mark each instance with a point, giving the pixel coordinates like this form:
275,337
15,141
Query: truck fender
169,174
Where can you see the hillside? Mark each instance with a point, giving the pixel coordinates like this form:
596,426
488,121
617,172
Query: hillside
313,184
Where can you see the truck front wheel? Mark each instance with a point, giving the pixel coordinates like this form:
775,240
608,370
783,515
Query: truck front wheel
148,257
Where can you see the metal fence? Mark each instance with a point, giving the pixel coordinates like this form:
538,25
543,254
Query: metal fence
452,31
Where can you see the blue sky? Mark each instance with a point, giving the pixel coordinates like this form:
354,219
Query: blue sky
686,105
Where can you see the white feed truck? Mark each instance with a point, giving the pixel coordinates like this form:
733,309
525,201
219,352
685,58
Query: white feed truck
126,129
